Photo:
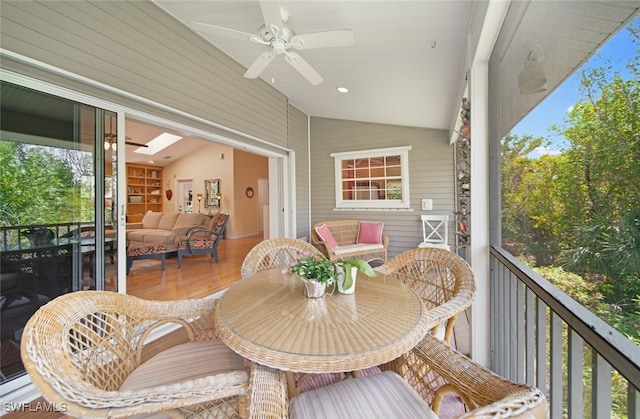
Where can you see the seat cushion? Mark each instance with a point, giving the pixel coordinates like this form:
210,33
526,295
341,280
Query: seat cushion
152,219
382,396
187,361
355,248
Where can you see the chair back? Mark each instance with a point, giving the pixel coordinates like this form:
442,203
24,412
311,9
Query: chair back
443,280
81,347
273,253
435,231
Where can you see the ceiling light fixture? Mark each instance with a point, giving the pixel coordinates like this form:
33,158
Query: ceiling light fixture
110,139
343,89
533,78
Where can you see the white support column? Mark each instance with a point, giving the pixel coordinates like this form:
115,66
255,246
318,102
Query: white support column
479,260
479,211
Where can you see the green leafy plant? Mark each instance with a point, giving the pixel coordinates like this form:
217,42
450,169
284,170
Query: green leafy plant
359,264
314,267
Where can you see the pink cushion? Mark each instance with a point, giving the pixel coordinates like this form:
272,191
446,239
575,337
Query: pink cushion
369,232
184,362
325,235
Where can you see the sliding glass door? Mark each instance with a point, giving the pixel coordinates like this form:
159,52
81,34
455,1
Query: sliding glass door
58,206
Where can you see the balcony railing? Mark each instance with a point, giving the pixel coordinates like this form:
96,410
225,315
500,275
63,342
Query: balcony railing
543,337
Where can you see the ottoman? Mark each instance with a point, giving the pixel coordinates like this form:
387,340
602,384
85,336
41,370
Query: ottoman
142,250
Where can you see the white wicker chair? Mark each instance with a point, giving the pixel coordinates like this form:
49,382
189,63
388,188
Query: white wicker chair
274,253
439,372
91,351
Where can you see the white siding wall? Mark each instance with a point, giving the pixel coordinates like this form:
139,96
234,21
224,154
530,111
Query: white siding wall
298,140
136,47
431,174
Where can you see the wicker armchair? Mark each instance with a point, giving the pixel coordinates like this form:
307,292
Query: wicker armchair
273,253
439,371
441,278
103,354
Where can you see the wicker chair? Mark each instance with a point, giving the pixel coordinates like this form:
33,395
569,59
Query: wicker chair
441,278
273,253
103,354
440,371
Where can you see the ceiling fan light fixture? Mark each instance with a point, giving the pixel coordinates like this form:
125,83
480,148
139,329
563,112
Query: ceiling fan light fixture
532,79
110,141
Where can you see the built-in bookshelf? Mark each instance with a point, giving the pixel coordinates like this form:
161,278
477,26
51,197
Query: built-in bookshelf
144,188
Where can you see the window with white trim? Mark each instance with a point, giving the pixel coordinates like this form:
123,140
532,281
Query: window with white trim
372,178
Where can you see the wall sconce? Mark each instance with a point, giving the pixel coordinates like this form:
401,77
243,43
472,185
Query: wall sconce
199,201
533,78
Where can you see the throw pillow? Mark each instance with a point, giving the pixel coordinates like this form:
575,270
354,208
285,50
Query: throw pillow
369,232
151,219
325,235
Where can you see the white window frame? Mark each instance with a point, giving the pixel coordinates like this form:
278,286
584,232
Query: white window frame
403,203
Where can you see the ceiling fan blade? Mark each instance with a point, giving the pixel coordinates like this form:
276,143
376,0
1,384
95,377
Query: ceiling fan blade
339,38
220,31
127,140
136,144
259,65
271,13
304,68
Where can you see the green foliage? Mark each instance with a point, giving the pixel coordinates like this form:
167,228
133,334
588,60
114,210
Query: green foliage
580,208
36,187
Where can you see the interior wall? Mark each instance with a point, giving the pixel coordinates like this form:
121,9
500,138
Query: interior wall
203,164
247,169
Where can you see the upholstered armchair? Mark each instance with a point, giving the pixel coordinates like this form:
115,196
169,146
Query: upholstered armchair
202,240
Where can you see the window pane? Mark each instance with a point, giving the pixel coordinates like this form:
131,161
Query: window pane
374,180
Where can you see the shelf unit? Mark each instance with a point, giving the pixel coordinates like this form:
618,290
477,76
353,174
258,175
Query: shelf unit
463,181
144,189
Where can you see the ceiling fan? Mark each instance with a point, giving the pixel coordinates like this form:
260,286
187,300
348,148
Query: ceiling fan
282,40
133,143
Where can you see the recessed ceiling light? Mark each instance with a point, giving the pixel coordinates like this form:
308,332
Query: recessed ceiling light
343,89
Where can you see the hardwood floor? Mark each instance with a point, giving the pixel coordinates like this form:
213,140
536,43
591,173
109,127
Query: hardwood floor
199,276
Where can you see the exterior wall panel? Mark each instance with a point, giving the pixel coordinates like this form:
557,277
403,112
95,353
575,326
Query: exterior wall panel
298,140
431,175
138,48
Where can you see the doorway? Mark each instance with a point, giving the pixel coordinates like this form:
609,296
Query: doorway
185,192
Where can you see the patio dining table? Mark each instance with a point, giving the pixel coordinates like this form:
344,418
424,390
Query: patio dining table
267,319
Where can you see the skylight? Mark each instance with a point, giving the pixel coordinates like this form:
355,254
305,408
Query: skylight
158,144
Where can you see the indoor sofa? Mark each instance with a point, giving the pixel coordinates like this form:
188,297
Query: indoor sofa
351,239
164,227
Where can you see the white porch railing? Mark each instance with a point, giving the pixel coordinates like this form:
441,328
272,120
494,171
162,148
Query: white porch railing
543,337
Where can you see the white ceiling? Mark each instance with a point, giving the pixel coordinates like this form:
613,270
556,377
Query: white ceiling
408,62
404,68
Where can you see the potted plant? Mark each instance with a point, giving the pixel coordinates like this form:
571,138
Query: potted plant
315,271
346,280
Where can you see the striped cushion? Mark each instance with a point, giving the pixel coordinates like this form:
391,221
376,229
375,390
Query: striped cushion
385,395
187,361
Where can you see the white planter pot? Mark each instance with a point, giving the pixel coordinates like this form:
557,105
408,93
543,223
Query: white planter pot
340,281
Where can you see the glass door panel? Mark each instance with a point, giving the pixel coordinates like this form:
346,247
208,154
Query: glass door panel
54,232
